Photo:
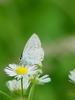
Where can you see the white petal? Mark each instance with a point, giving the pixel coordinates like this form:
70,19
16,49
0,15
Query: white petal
72,75
10,72
45,76
44,79
18,77
12,66
26,82
33,70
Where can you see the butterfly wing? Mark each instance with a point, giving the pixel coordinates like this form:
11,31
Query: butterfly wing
33,52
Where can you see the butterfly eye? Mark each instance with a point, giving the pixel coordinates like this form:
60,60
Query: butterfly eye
20,56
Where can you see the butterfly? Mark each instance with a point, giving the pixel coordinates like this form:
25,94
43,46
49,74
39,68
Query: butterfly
33,53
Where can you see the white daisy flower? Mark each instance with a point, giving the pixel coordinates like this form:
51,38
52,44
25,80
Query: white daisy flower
44,79
72,75
19,71
15,85
32,56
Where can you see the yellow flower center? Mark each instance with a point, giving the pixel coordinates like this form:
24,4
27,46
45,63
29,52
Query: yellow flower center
21,70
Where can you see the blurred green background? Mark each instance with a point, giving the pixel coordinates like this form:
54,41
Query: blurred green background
54,22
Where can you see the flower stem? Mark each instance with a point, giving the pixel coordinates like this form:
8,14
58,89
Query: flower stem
6,95
30,97
22,87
